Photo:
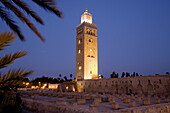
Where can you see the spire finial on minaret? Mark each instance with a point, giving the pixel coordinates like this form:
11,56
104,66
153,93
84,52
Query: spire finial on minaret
86,17
86,9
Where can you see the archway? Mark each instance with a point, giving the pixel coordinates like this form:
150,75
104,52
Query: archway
139,89
150,89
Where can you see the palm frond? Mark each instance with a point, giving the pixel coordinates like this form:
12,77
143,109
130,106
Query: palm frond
9,58
5,39
22,17
4,16
13,78
49,5
27,9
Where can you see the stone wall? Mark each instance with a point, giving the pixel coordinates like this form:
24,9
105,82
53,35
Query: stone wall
42,106
151,85
159,108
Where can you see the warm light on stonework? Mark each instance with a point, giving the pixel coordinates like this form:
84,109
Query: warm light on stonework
80,67
67,88
79,51
74,89
87,58
27,83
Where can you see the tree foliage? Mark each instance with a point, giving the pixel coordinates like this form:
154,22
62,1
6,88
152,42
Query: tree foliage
15,6
71,76
13,78
116,75
65,78
51,80
123,74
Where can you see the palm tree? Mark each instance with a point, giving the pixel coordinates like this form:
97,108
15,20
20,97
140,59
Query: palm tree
117,75
65,77
127,74
71,76
123,74
137,74
133,74
13,78
113,75
14,5
60,75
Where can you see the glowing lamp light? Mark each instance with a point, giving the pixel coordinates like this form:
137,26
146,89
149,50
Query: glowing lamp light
80,67
32,87
100,77
79,51
67,88
79,42
39,84
74,89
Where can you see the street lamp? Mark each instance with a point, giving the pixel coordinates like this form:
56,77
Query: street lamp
39,84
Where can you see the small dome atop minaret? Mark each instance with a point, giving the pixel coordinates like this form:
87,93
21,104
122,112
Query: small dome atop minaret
86,17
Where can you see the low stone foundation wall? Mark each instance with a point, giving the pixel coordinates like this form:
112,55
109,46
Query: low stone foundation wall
39,106
42,106
156,108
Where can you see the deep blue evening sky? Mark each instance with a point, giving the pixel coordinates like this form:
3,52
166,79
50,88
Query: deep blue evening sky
133,35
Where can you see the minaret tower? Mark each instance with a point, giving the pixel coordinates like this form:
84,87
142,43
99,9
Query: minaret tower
86,50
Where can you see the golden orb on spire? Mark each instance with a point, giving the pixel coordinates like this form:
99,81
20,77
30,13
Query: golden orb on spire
86,9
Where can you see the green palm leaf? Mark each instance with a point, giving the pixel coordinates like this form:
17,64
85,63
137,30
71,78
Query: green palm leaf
9,58
5,16
22,17
13,78
27,9
13,5
5,39
49,5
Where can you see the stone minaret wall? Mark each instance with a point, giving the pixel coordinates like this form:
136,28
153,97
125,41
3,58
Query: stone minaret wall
86,50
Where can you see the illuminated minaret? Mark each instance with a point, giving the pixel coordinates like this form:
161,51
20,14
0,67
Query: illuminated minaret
86,49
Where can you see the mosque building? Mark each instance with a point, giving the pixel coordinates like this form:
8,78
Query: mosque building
87,79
